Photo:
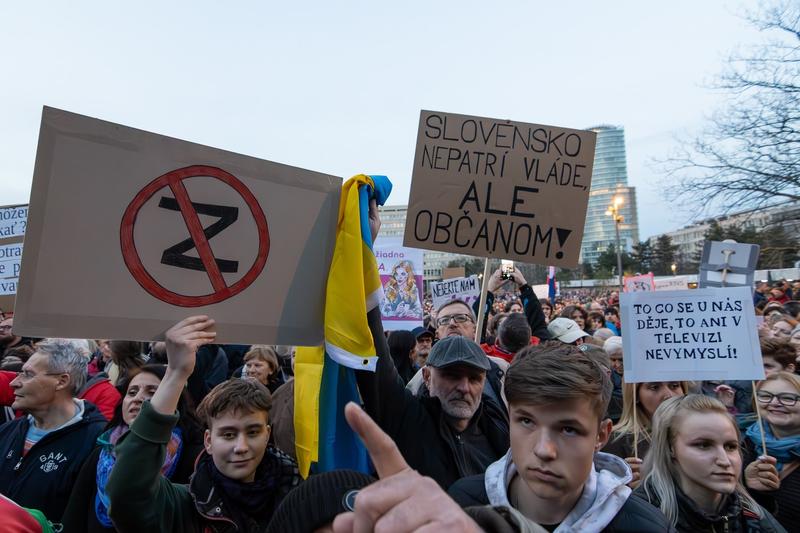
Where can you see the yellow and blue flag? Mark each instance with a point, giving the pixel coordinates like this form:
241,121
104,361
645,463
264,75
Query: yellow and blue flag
325,375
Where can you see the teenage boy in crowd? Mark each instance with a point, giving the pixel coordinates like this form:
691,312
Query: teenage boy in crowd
238,482
554,473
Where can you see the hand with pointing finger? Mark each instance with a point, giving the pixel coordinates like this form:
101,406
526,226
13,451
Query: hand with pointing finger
403,500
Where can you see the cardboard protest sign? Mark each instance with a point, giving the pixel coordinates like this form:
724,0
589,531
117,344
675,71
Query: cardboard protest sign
466,289
497,188
675,283
13,222
701,334
401,272
174,229
643,282
737,260
453,272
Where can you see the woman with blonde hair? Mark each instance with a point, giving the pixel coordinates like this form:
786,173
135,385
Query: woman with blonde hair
693,469
773,477
636,417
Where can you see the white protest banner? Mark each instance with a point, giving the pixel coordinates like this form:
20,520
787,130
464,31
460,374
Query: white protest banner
10,259
13,221
703,334
401,272
643,282
675,283
175,229
498,188
466,289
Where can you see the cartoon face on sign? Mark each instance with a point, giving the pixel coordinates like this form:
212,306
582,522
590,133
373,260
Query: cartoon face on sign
174,197
401,295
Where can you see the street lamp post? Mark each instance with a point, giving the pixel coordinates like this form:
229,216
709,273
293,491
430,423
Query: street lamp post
674,268
613,211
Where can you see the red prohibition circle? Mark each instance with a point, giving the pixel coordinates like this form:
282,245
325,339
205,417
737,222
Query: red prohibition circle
174,180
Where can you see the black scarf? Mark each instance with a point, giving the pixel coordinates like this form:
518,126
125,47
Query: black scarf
246,502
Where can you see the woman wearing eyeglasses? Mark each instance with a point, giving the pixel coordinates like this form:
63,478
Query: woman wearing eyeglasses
773,478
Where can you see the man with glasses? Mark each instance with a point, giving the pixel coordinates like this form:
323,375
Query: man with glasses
8,340
456,318
424,342
43,451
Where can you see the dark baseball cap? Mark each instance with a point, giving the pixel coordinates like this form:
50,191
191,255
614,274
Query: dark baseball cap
456,350
419,331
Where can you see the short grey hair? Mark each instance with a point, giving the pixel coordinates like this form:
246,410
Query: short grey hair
68,357
453,302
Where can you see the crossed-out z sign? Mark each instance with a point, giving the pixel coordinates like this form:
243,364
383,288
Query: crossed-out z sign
130,232
199,237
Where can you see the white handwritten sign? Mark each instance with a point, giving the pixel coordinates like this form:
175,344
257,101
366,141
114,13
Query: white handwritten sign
10,258
690,335
675,283
13,221
467,289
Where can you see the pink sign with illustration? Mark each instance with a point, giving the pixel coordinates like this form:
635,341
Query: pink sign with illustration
401,272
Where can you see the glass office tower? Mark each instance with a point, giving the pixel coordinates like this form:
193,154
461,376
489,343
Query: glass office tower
609,179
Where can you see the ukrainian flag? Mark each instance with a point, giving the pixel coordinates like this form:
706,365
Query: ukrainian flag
324,375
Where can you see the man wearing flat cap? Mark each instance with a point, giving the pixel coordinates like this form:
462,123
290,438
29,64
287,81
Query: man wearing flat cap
448,433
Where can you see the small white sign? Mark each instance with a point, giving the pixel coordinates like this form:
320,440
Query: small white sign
467,289
676,283
699,334
10,259
542,291
13,221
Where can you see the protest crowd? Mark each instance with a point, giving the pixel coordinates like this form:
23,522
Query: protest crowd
533,428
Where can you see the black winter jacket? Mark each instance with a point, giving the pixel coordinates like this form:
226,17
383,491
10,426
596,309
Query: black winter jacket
783,503
733,518
44,478
418,425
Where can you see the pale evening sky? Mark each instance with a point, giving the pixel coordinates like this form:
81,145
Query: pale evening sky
337,87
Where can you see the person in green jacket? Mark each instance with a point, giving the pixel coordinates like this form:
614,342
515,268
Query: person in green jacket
238,481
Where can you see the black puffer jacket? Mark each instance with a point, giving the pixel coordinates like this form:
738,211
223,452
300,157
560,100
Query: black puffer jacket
732,518
418,425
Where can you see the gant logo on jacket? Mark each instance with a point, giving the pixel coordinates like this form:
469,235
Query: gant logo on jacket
50,462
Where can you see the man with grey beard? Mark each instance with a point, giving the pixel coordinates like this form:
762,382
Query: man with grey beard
448,433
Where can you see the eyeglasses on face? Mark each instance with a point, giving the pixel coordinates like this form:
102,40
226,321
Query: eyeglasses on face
27,375
458,318
785,399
